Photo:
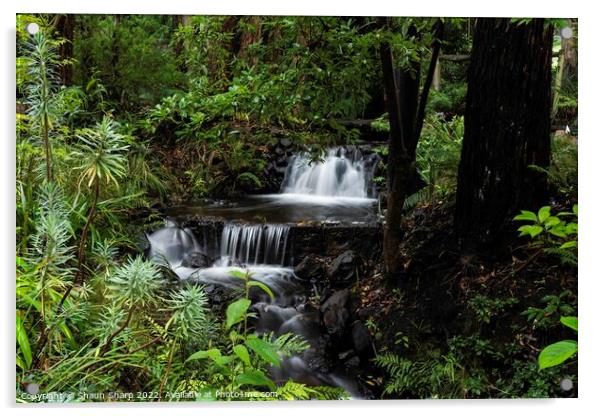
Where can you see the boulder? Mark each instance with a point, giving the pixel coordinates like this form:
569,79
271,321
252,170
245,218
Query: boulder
196,260
361,337
335,312
344,268
311,267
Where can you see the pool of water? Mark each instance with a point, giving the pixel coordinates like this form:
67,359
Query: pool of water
285,208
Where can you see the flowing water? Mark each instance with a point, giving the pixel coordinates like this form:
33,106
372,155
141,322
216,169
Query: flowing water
337,176
343,181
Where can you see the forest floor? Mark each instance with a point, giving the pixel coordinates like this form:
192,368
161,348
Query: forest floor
498,309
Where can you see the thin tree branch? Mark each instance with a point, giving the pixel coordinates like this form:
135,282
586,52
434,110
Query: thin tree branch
428,81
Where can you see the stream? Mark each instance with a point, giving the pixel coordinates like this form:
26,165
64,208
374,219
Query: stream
256,238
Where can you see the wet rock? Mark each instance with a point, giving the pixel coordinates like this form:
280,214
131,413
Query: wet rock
286,142
344,268
311,267
335,312
361,337
353,362
196,260
345,355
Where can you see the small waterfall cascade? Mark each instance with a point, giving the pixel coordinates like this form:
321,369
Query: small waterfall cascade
260,250
342,173
253,244
171,244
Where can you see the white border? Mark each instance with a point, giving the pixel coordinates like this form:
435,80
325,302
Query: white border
589,184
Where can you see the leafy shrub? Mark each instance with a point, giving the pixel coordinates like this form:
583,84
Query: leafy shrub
557,353
550,233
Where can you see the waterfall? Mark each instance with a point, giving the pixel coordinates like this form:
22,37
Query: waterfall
253,244
171,244
340,174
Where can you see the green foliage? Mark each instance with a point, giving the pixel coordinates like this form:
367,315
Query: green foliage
190,313
557,353
486,308
555,307
563,170
100,154
552,234
437,159
136,284
435,377
130,54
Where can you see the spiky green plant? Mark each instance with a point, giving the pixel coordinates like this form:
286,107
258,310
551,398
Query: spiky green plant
136,283
41,90
190,314
46,267
100,158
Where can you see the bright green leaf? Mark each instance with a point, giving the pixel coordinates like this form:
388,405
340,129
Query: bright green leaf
255,378
568,244
262,286
264,349
526,216
532,230
23,342
543,213
242,353
236,311
570,321
557,353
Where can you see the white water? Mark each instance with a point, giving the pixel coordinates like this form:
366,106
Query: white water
263,251
253,244
336,176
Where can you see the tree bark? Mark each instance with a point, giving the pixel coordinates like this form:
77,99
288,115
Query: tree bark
178,21
65,27
507,128
405,106
250,35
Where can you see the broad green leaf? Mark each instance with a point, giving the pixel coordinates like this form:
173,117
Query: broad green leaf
23,342
569,244
199,355
557,353
526,216
262,286
264,349
242,353
532,230
238,274
558,231
255,378
543,213
236,311
576,209
570,321
551,222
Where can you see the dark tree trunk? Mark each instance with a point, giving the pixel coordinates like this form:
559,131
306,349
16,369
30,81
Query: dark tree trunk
405,106
249,35
65,27
178,21
507,128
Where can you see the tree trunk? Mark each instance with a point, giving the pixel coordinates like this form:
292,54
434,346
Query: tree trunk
507,128
178,21
250,34
437,76
405,106
65,27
